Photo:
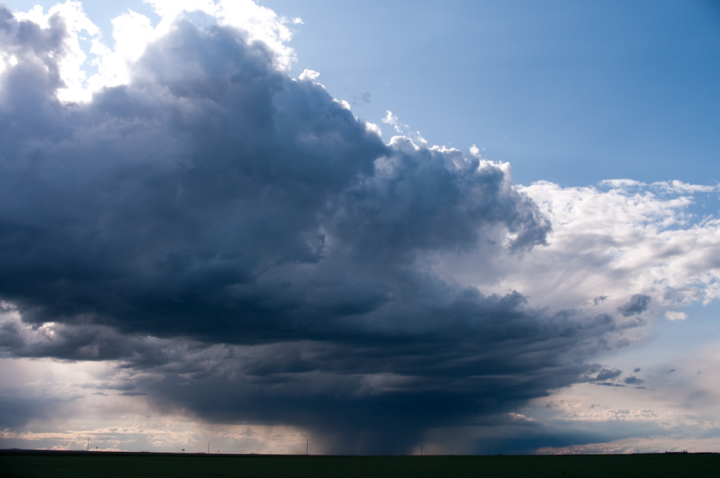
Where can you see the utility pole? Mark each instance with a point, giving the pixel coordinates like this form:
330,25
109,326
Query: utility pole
208,447
88,448
307,446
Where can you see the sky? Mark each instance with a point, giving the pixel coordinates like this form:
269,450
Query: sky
475,227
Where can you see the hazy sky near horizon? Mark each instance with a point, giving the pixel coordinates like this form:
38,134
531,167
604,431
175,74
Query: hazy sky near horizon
369,224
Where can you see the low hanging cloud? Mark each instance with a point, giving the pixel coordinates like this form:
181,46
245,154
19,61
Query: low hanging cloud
260,254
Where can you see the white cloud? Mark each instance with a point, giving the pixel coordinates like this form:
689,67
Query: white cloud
672,315
308,75
614,244
73,57
342,103
373,127
620,183
390,118
683,188
132,32
260,23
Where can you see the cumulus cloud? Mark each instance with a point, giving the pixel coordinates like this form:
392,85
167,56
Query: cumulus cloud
392,120
215,223
254,253
308,75
622,250
674,315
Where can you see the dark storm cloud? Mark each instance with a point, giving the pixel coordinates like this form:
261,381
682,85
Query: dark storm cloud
637,304
608,374
18,411
248,240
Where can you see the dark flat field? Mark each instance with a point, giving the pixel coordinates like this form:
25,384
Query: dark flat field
38,464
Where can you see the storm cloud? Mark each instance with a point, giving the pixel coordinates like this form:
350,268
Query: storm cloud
260,252
637,304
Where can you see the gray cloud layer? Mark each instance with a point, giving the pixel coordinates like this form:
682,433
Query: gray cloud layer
247,239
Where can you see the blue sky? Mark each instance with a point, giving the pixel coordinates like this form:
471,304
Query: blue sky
627,90
530,244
